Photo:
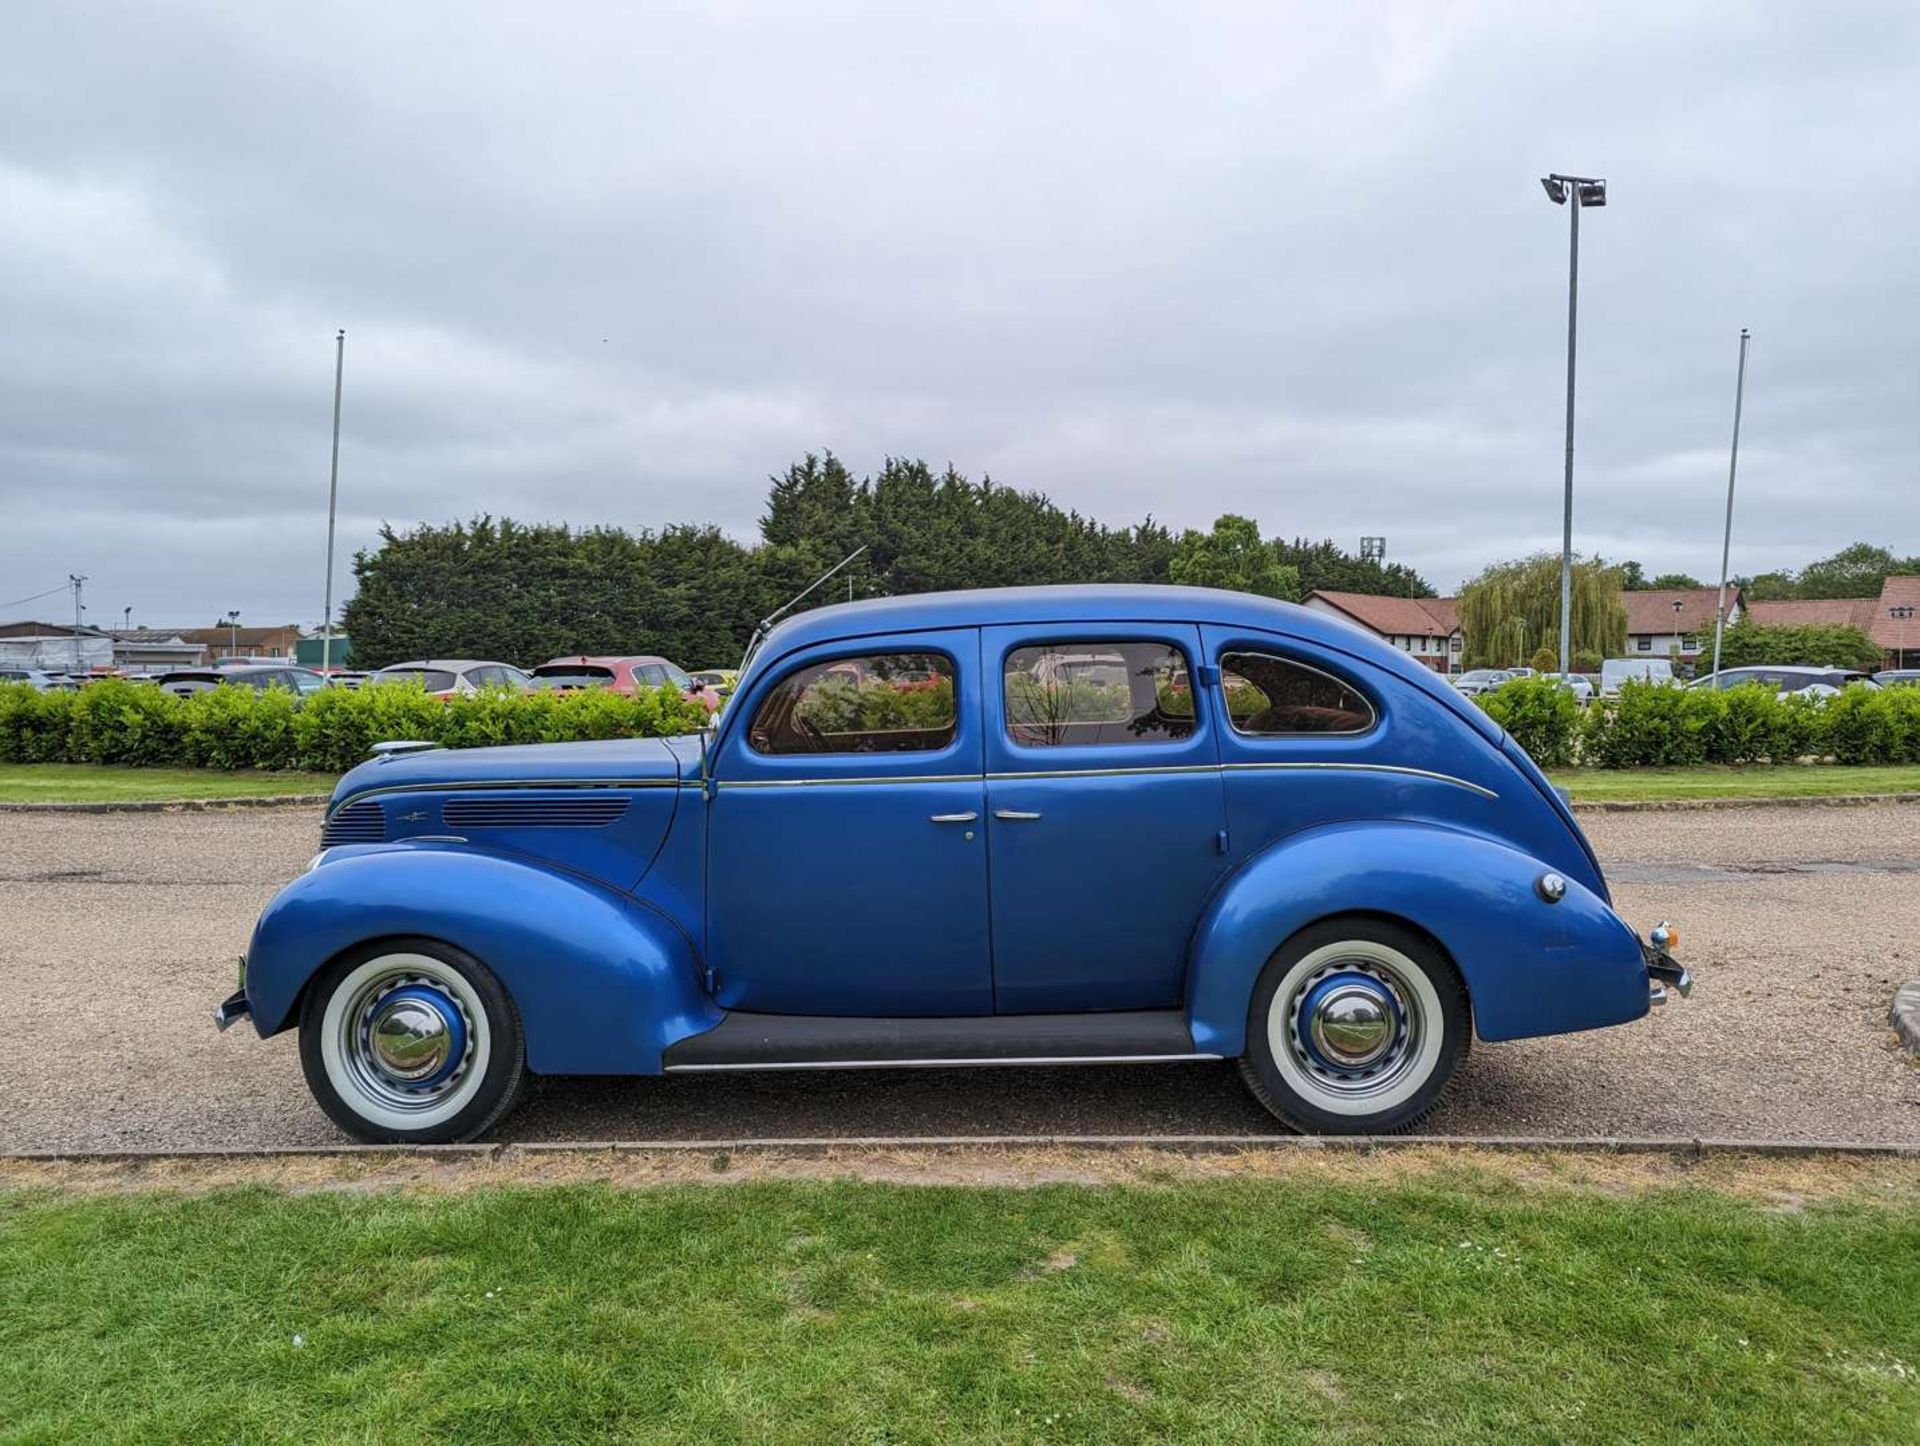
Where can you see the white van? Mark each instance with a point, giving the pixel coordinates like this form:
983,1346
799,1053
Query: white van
1615,671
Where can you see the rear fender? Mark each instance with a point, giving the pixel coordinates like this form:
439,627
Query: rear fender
603,983
1530,967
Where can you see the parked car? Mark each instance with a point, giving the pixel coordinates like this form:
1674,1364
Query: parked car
345,678
622,675
1481,680
1786,681
1337,886
1615,671
721,680
1897,677
184,682
1577,684
447,677
32,677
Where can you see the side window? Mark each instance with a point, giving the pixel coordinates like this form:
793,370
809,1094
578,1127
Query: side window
652,675
1274,697
1098,692
882,703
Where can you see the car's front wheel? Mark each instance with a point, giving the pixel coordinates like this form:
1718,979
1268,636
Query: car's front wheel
411,1042
1356,1027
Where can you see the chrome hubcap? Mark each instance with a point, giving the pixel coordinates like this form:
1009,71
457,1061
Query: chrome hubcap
1354,1026
408,1040
412,1039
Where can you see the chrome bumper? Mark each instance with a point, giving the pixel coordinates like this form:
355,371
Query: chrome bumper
231,1009
1662,968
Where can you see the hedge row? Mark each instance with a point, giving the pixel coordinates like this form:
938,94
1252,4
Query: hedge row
1656,726
233,727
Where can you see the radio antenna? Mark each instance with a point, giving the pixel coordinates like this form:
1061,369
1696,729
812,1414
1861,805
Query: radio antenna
760,632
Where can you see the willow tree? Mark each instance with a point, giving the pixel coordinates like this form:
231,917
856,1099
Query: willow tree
1512,610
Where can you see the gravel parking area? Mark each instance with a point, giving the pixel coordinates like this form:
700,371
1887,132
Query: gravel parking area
1799,923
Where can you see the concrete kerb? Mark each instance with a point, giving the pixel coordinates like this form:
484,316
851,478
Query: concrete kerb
1695,1148
173,805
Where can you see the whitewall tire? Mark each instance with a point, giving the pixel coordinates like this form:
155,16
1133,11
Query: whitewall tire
411,1042
1356,1026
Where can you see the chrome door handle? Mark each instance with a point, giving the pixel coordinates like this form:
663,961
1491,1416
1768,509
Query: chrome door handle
1014,815
954,817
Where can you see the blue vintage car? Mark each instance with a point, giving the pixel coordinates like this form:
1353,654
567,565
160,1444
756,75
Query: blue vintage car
1045,825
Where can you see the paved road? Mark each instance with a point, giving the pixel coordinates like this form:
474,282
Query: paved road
121,931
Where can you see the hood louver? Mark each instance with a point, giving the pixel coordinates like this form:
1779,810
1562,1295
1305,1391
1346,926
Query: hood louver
597,812
355,824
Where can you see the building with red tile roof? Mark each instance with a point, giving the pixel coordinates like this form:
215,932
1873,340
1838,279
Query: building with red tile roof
1425,628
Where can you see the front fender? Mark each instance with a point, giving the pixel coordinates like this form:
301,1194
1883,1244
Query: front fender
602,982
1530,967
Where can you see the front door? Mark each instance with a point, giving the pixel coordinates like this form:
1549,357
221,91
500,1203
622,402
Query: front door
1106,813
847,857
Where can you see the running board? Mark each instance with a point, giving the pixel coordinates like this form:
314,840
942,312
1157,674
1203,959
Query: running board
814,1041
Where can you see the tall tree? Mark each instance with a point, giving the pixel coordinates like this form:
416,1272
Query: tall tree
1513,608
1233,556
1674,580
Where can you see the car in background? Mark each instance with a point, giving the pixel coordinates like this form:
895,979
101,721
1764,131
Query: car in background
622,674
721,680
1786,681
185,682
452,677
1577,684
1615,671
1481,680
32,677
344,677
1897,677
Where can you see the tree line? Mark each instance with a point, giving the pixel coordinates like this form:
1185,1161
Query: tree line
527,591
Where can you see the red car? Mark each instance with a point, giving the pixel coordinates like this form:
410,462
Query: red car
622,675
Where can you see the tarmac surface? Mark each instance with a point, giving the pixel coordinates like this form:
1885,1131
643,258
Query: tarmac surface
121,932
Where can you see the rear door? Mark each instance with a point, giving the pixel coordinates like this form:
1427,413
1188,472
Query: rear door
1105,813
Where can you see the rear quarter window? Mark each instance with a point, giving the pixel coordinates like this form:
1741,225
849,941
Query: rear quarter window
1269,696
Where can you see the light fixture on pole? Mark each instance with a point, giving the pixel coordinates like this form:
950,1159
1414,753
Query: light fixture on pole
1677,604
333,498
1585,192
1900,615
77,582
1733,464
232,620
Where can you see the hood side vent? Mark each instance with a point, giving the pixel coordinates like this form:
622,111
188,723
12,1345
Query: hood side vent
357,823
592,812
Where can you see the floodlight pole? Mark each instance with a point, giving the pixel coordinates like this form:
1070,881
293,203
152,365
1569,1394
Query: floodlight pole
1733,464
1566,526
333,498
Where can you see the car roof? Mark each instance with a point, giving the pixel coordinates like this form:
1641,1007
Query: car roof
446,665
606,660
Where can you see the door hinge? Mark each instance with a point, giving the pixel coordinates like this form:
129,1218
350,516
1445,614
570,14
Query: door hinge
1207,675
1221,842
712,977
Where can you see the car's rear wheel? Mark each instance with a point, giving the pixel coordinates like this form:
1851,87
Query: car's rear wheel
1355,1028
411,1042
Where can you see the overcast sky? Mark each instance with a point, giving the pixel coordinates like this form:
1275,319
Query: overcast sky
616,263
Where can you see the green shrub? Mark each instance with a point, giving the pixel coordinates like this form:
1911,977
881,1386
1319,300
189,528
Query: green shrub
1652,725
1542,715
35,727
114,721
235,727
1872,725
1754,724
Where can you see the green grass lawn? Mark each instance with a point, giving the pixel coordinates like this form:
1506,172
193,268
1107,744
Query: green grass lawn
1396,1308
99,783
1600,785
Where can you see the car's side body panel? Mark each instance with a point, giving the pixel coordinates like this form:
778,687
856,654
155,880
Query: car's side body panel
1531,967
603,982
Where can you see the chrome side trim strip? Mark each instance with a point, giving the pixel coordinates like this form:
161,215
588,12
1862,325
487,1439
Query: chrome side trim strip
941,1063
468,785
1116,772
1365,768
849,781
